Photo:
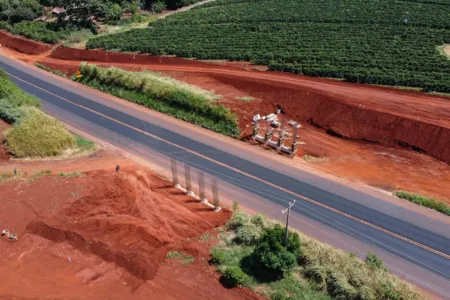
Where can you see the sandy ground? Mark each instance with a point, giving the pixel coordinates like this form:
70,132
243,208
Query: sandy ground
379,163
105,235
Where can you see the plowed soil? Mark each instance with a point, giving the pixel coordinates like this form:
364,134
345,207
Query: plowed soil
106,235
384,137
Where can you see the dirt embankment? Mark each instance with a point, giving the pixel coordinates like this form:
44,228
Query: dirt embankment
67,53
345,120
23,45
109,232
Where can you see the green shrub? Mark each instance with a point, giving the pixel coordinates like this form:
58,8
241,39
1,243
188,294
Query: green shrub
259,220
237,220
234,276
218,256
271,252
38,135
6,26
247,234
374,261
424,201
159,6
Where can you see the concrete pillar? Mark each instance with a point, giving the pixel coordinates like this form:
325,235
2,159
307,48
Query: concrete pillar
187,177
173,163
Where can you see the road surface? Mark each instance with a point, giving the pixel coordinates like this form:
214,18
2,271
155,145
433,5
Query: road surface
414,245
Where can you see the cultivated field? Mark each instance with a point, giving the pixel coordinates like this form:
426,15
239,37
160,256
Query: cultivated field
380,42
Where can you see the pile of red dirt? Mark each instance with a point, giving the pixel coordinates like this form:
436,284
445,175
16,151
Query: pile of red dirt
22,44
108,231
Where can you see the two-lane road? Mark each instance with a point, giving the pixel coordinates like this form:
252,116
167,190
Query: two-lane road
420,242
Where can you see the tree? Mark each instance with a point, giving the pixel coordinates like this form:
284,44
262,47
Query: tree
158,7
114,13
272,254
83,9
16,11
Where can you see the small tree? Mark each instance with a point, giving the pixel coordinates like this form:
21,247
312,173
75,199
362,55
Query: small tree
272,254
114,13
158,7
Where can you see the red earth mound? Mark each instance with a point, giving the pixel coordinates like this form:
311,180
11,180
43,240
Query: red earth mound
23,45
109,232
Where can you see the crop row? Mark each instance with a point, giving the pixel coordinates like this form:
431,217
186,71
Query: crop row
361,41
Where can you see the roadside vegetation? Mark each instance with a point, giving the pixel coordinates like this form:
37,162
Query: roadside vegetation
34,133
45,68
424,201
252,253
162,94
387,42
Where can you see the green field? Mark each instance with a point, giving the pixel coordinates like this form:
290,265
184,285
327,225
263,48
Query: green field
388,42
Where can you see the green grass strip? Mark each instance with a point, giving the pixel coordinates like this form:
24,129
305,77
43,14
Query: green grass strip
424,201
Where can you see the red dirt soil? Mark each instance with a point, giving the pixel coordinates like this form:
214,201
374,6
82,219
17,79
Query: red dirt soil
105,236
23,45
380,125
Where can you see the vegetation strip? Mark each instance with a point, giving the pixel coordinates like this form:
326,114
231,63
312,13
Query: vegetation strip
34,133
162,94
424,201
368,42
252,253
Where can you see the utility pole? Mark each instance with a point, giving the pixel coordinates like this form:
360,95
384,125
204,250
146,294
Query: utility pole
288,210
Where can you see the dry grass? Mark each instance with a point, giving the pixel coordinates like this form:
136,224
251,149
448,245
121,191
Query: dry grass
38,135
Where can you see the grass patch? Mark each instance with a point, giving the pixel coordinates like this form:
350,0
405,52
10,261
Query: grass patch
8,176
248,99
40,174
70,175
83,145
77,37
56,72
321,271
164,95
12,98
38,135
424,201
314,159
184,258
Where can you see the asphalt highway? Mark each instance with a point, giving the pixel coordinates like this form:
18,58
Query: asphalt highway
317,199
